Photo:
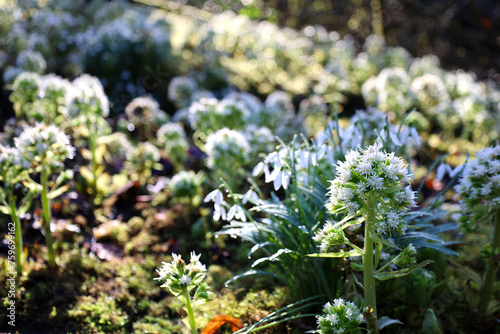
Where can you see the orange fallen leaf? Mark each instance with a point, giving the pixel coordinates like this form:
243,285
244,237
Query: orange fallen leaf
219,321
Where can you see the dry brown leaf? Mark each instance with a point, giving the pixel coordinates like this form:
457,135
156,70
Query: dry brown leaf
219,321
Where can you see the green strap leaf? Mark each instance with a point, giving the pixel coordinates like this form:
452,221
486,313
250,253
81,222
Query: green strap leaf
385,275
386,321
350,253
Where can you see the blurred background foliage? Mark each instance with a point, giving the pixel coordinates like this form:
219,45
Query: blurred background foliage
462,33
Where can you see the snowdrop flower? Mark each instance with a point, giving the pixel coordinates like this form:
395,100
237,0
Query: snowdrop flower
215,196
340,317
219,213
280,175
251,196
44,147
237,212
372,171
480,181
444,168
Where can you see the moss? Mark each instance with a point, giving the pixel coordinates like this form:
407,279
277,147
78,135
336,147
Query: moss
98,315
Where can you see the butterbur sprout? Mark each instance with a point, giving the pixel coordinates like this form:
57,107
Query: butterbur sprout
480,181
87,96
479,189
145,115
185,184
181,89
173,138
45,147
373,171
185,281
226,148
340,316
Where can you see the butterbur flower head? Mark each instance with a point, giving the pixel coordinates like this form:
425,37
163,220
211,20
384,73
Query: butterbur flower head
329,236
232,113
25,87
87,98
180,90
480,181
143,155
340,316
13,165
203,114
143,111
406,257
185,184
178,276
227,147
44,147
32,61
372,172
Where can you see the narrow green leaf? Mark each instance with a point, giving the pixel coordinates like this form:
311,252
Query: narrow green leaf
385,275
350,253
386,321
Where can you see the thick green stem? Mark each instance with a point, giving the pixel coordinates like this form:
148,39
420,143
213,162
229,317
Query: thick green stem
47,217
491,270
92,144
190,311
18,234
369,280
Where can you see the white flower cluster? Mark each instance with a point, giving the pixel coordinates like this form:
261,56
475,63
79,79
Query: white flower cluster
87,98
179,277
260,139
144,113
31,61
340,316
26,87
480,180
181,90
12,165
227,148
172,137
185,184
329,236
45,147
210,114
372,171
277,107
143,155
389,90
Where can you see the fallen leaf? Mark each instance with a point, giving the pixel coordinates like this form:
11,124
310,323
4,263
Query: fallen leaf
219,321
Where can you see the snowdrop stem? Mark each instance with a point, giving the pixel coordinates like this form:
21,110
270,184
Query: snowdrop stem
491,270
190,312
368,270
47,216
